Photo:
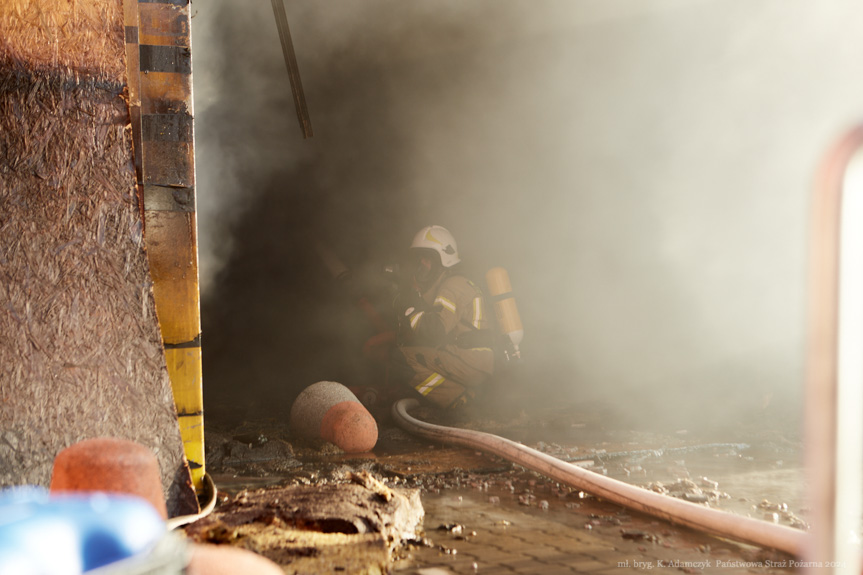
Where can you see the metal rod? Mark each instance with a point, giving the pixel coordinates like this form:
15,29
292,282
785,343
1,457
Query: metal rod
293,68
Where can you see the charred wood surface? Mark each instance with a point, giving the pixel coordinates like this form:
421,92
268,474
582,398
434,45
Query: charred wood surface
353,526
80,347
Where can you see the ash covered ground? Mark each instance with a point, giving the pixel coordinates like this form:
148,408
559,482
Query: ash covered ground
473,501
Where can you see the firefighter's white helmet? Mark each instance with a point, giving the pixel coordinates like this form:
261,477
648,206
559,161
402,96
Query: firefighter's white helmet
440,240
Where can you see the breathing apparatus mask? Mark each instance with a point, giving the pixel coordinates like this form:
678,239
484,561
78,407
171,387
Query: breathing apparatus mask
422,267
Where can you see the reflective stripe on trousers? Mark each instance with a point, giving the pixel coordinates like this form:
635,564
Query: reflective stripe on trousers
426,386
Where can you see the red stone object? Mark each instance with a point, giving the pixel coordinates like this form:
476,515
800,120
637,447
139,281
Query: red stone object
111,465
350,426
330,411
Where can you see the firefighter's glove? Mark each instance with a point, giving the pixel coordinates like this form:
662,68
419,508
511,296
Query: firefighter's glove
408,303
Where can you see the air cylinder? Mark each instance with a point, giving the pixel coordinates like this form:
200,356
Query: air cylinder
508,320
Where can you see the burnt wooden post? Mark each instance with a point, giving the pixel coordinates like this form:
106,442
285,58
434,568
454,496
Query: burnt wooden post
81,351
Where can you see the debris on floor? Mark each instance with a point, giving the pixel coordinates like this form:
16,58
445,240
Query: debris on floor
353,526
482,510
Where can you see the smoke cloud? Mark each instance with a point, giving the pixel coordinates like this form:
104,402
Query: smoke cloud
643,170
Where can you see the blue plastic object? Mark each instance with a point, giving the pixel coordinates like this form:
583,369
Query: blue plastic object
65,534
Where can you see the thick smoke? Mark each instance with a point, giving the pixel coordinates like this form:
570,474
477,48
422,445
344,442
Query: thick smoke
642,170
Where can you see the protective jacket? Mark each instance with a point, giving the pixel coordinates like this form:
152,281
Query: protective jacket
446,339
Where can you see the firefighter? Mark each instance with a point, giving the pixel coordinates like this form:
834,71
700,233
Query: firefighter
444,343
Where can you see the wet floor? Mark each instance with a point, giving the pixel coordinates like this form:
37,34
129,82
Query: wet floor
487,515
474,535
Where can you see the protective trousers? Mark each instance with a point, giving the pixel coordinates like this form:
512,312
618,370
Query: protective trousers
442,375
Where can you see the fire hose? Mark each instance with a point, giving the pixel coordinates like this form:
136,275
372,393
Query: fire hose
712,521
210,495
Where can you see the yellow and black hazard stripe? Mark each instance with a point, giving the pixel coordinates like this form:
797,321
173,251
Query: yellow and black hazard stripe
158,48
